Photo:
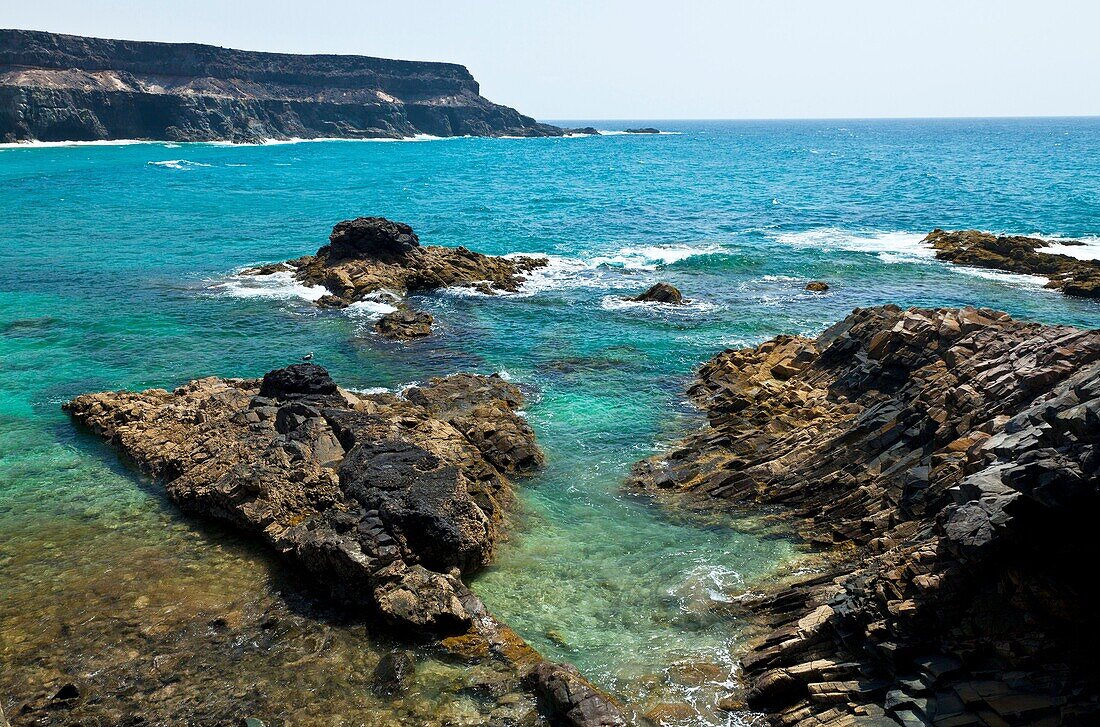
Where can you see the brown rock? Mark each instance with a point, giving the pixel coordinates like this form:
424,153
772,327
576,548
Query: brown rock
661,293
405,324
817,286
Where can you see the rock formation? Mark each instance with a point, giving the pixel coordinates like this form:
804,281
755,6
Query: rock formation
386,500
817,286
947,462
372,255
643,130
1015,254
661,293
71,88
403,324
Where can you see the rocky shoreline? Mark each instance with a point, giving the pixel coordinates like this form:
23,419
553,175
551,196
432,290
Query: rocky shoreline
1021,255
385,501
375,258
56,87
946,463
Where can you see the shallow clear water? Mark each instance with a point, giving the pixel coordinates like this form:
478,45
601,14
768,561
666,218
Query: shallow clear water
116,268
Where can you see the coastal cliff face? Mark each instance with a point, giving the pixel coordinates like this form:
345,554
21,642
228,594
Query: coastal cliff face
72,88
947,463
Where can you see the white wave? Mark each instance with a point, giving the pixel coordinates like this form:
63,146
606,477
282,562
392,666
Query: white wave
370,309
891,247
651,257
1088,250
50,144
277,285
1000,276
371,391
178,164
690,306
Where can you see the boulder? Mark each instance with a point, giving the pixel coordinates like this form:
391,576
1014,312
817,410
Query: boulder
661,293
405,323
394,674
817,286
371,237
304,379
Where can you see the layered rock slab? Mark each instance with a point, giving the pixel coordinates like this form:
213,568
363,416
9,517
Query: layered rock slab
386,500
947,461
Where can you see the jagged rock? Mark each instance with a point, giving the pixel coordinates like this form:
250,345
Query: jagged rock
1016,254
661,293
386,500
948,461
70,88
372,256
405,323
585,130
817,286
375,495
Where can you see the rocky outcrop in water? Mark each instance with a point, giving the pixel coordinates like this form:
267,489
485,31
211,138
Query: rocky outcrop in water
817,286
71,88
947,462
661,293
1016,254
385,500
404,324
371,256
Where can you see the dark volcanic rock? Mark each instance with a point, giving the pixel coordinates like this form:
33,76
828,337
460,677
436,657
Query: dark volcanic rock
405,323
394,674
1022,255
949,462
661,293
302,379
585,130
71,88
371,237
643,130
817,286
372,255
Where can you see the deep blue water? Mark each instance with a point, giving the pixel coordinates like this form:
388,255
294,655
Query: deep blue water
116,270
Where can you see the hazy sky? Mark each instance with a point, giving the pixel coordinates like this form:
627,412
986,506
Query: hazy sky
640,59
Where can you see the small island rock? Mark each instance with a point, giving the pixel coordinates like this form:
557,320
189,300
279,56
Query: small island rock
661,293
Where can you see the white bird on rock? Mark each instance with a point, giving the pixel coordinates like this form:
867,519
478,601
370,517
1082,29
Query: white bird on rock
308,356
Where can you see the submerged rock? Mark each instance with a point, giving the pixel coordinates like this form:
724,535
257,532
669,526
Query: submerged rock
949,463
394,674
371,256
661,293
817,286
405,323
1021,255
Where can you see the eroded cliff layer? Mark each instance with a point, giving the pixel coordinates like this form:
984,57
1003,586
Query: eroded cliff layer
948,461
72,88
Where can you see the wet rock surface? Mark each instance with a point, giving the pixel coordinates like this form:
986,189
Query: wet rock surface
1016,254
372,256
385,501
817,286
946,462
661,293
57,87
405,324
643,130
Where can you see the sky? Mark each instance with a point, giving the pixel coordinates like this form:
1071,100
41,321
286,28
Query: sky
641,59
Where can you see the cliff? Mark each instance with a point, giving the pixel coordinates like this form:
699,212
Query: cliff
72,88
946,461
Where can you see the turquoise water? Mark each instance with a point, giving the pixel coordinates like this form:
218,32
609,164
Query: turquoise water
116,270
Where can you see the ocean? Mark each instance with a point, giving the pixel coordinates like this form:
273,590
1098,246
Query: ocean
118,270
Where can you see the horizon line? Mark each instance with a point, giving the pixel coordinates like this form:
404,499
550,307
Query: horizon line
552,120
